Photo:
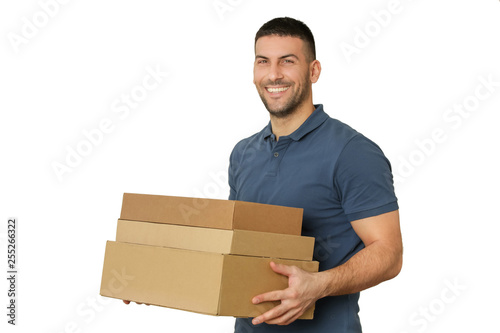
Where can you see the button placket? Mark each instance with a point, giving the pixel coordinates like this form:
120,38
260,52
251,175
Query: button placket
277,155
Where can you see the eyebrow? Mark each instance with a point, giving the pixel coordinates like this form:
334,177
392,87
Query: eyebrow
282,57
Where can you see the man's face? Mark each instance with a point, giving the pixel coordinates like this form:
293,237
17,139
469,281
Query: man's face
281,74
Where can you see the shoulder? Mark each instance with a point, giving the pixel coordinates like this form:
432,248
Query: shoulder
363,162
344,137
339,129
245,144
336,137
336,132
354,151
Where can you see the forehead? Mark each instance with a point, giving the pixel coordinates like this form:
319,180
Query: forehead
277,46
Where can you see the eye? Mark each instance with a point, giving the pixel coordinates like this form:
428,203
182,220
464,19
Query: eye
287,61
262,61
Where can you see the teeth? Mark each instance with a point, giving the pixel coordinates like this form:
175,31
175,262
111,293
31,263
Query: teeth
275,90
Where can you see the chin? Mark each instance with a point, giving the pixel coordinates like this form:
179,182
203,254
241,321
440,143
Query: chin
281,113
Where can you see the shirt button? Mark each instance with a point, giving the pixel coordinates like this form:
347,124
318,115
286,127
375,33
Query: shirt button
276,154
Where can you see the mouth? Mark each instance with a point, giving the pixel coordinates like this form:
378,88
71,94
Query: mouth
277,90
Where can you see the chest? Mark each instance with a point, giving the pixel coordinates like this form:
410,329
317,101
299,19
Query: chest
290,173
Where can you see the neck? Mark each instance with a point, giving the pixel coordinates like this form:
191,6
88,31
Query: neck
287,125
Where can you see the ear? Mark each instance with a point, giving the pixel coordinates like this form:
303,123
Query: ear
315,70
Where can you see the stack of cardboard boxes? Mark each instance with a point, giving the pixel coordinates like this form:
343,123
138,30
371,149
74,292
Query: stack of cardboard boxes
203,255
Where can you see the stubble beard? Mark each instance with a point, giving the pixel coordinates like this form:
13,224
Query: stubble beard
291,106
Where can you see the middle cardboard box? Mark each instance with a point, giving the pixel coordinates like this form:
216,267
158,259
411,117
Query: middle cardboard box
240,242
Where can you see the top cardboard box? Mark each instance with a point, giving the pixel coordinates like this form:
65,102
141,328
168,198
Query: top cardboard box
212,213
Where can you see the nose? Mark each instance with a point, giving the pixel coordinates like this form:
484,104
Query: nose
275,73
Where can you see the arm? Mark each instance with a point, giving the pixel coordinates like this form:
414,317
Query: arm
380,260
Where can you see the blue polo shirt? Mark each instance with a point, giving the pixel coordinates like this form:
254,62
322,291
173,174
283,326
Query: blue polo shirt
337,176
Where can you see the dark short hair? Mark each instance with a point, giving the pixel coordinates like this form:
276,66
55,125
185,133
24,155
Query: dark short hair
289,27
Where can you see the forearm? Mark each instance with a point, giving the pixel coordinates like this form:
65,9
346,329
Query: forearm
370,266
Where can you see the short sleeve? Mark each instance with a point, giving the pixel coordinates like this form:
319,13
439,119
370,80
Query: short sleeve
233,164
232,189
363,179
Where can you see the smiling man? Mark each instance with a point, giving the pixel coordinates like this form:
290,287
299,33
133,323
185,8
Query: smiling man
304,158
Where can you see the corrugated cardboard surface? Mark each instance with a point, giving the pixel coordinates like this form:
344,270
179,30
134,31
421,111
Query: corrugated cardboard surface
162,276
244,277
204,282
242,242
211,213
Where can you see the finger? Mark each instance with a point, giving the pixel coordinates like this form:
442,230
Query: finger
126,302
286,318
281,269
275,295
269,315
294,318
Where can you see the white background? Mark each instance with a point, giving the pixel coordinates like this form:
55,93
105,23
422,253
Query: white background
64,77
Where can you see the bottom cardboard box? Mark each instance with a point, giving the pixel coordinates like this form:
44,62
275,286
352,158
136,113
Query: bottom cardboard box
203,282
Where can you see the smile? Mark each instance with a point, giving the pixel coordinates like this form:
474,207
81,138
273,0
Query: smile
277,90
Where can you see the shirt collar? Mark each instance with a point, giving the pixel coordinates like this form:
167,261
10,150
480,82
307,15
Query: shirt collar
317,118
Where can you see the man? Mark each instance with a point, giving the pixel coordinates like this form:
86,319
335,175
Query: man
303,158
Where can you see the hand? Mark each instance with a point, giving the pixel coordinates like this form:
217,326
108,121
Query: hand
128,302
304,288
